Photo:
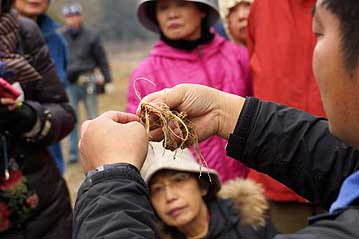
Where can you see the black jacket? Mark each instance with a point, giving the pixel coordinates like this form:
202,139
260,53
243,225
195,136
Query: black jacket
86,53
290,145
225,223
52,217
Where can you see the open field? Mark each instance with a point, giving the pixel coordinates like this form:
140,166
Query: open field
123,60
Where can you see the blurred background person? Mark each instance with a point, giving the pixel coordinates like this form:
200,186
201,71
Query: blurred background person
34,199
234,14
189,51
194,206
86,55
281,45
58,49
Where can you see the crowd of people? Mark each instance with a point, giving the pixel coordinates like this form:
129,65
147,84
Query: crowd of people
271,91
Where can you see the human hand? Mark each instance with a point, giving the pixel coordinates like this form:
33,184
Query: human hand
211,111
113,137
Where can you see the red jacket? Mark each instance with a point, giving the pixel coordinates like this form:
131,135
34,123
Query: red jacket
281,44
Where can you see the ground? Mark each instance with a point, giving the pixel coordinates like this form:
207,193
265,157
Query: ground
123,59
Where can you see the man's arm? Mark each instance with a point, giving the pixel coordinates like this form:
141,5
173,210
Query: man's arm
100,57
114,203
293,147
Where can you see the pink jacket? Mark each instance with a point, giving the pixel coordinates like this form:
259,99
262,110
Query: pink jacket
219,64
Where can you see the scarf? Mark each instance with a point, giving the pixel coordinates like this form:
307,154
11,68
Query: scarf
206,37
14,62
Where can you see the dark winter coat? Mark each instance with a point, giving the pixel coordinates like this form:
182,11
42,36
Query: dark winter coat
288,144
52,213
86,53
239,212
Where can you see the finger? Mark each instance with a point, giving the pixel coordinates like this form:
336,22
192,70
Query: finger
156,135
120,117
8,101
84,127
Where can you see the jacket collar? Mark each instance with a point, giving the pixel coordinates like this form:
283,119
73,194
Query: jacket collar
47,24
161,49
348,194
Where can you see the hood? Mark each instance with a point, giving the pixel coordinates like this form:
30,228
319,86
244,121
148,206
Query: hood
249,200
161,49
47,24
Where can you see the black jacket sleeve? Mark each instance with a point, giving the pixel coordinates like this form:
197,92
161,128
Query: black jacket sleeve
100,57
48,93
293,147
114,203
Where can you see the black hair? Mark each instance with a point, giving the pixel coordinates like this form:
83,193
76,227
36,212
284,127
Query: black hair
348,13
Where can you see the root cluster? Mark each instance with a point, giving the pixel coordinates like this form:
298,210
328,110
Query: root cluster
178,131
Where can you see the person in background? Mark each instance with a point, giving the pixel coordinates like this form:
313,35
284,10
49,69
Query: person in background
57,47
189,51
234,14
281,45
219,28
191,202
86,55
34,199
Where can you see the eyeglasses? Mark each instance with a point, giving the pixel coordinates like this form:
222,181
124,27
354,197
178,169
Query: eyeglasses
158,189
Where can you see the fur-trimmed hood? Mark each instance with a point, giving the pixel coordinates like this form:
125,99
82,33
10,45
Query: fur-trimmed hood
248,199
241,202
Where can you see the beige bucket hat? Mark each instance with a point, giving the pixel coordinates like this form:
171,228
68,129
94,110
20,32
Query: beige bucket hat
224,7
150,23
158,159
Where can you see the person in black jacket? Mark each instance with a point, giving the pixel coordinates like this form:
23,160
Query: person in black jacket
34,199
316,157
86,55
191,202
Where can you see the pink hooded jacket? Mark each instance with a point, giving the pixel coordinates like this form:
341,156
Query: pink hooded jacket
219,64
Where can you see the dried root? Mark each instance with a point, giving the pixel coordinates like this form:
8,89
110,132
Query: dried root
178,131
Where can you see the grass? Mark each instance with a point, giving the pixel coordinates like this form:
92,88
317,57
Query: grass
123,60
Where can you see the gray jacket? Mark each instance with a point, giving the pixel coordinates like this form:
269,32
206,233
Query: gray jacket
86,53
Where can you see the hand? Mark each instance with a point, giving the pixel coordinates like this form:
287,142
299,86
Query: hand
113,137
100,81
212,112
16,117
109,88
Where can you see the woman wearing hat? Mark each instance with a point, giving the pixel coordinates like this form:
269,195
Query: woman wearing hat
191,203
234,14
190,52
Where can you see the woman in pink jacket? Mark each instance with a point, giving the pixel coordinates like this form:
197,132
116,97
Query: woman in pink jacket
189,52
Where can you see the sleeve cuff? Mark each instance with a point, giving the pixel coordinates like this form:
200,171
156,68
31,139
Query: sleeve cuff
238,138
110,172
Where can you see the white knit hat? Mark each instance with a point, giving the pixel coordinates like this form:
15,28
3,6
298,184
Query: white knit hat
158,159
224,9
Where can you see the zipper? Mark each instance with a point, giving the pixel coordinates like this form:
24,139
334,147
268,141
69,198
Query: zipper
5,156
200,55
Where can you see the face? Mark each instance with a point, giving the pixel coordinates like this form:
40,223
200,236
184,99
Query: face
74,21
177,198
31,8
179,19
238,21
338,87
